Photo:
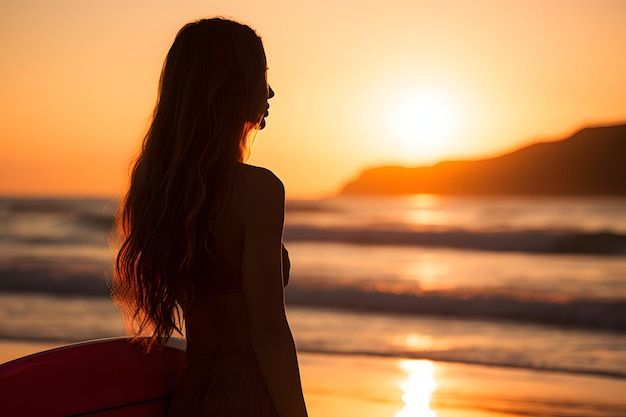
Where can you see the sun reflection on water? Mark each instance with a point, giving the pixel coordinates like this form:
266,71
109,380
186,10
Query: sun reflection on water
425,211
417,388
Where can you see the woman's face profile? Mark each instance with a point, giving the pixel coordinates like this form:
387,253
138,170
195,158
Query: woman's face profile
270,94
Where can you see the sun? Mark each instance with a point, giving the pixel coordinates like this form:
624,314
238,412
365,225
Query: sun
422,125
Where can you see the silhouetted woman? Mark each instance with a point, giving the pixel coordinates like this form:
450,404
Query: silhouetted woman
203,231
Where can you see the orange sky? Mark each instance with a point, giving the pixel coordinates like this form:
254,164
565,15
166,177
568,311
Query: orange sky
358,83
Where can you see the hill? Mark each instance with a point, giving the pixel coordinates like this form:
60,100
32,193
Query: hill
590,162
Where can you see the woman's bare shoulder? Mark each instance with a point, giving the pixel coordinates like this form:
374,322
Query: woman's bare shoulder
253,176
257,186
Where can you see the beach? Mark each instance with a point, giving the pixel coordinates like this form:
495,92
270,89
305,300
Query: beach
416,306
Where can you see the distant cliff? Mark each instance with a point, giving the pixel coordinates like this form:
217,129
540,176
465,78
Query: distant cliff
591,162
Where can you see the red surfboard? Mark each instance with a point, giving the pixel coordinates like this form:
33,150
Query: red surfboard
103,378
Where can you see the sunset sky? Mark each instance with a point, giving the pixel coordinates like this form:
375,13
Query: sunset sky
358,83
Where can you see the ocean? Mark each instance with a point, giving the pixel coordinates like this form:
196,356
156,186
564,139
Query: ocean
513,282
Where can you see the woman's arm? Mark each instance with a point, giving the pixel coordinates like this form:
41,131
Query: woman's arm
262,273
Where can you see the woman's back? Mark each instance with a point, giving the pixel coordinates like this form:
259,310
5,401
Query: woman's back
215,316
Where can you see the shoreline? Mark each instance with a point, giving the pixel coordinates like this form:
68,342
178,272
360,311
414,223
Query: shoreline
549,370
340,385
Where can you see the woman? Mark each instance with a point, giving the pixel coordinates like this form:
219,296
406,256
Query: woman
203,231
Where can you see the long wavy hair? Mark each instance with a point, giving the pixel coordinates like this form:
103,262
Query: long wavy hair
212,95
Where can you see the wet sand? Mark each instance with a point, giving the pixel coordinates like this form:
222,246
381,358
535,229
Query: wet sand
343,385
384,387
